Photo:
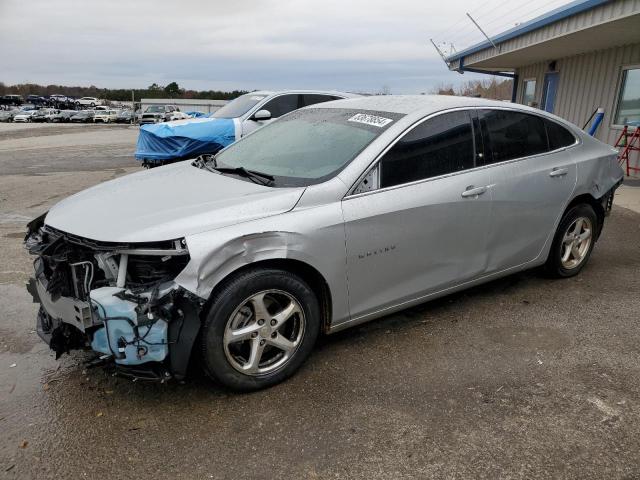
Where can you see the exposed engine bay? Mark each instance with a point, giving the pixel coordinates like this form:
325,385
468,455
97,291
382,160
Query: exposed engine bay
117,299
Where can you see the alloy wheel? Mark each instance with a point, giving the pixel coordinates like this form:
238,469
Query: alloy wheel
264,332
576,242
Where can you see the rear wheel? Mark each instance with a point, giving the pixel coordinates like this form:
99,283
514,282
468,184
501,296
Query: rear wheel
573,242
259,329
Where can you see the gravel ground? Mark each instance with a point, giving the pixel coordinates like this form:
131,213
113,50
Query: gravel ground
524,377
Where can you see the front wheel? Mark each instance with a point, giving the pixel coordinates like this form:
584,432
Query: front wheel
259,329
573,242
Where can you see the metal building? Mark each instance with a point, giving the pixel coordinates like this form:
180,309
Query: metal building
570,61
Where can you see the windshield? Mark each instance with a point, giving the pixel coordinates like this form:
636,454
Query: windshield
238,107
307,146
155,109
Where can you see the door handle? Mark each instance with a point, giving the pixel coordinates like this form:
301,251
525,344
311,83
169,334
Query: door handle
472,191
558,172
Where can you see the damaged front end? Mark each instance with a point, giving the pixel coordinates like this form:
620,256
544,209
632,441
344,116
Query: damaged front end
118,299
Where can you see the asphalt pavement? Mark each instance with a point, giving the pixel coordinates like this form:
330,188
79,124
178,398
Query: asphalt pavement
524,377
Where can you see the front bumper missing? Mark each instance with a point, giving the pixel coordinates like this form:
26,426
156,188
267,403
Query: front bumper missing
128,312
60,335
75,312
68,323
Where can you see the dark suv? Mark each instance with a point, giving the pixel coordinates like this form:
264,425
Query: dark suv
16,100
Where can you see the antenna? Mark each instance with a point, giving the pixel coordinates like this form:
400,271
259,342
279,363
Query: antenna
483,32
444,59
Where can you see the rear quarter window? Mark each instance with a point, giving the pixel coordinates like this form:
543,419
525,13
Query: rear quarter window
559,136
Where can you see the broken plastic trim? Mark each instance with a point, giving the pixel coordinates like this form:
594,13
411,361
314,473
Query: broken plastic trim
166,247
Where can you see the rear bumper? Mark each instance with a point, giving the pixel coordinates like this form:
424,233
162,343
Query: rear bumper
607,198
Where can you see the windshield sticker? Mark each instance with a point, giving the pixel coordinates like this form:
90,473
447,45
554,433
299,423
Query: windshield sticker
370,119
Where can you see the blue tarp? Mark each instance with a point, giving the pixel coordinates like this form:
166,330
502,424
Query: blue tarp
197,114
184,139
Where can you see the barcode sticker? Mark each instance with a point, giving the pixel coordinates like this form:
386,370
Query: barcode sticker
368,119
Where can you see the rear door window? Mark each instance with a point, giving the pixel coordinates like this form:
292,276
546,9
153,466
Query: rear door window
440,145
312,99
282,105
559,136
509,135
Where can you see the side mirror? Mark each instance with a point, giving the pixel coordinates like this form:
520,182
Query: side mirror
262,115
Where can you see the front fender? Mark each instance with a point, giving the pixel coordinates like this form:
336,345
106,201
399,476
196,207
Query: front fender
314,238
211,266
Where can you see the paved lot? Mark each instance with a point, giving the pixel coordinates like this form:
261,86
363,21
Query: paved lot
521,378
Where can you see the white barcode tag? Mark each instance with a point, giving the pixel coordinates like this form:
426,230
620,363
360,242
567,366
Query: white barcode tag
368,119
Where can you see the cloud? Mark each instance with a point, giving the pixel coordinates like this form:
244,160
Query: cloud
357,45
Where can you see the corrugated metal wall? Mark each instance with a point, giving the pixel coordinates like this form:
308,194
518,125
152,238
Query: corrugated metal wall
586,82
605,13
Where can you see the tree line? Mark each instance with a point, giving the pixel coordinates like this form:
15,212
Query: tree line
172,90
491,88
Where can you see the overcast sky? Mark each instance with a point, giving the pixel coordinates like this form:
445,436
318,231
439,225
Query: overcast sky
353,45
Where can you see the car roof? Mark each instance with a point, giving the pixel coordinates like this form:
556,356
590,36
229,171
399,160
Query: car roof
415,107
317,92
406,104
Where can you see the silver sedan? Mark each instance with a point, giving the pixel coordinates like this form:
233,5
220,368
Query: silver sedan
331,216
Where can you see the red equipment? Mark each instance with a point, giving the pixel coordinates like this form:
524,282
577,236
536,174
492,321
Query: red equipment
630,144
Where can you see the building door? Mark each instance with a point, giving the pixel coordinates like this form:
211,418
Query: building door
549,91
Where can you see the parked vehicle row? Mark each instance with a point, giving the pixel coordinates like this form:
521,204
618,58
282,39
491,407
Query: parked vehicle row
56,100
98,115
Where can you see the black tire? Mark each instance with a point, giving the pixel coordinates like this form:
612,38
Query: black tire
554,266
231,296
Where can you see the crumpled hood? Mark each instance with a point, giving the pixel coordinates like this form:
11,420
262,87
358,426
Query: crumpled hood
166,203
